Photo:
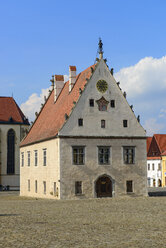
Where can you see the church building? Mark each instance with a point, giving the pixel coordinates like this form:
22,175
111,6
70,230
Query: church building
13,127
86,141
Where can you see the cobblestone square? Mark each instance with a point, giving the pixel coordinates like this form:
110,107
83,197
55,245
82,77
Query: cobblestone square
114,222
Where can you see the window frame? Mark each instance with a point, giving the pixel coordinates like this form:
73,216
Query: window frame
133,154
78,188
36,157
91,103
77,161
80,122
44,156
22,159
28,158
103,123
125,123
112,103
104,159
44,187
35,186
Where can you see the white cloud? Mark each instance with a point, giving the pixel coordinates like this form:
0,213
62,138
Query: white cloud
148,75
33,104
152,127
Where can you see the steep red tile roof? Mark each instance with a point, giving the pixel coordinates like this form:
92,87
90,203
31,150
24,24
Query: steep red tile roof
52,117
10,112
148,142
161,141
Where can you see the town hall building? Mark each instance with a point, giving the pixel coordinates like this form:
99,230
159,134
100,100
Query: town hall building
86,141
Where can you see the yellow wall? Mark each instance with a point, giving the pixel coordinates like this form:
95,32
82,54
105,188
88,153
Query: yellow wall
163,171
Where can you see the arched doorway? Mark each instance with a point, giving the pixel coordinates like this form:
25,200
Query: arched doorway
104,187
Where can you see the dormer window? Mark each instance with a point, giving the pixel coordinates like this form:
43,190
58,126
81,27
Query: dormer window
102,104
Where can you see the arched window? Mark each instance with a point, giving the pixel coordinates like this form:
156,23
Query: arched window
10,151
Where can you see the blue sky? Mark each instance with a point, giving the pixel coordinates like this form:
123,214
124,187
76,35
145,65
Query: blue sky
41,38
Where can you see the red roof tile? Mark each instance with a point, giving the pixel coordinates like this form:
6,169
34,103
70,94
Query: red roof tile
148,142
153,158
10,111
52,117
72,68
161,141
59,77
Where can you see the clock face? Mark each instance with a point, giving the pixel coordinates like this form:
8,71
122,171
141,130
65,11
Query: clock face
102,86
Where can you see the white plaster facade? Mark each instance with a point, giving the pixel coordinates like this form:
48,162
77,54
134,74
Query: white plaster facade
60,169
154,172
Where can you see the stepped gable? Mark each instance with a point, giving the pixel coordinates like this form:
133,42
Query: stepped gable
52,116
10,113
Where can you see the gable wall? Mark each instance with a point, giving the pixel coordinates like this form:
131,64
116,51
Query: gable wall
92,116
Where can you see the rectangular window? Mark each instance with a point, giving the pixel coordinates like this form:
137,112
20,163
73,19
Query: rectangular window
124,123
78,187
112,103
102,123
78,155
22,159
148,181
35,186
55,191
129,186
36,157
159,166
104,155
148,167
129,155
44,187
80,122
29,158
29,186
44,157
152,166
91,102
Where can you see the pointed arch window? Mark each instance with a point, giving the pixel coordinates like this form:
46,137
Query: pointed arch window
11,152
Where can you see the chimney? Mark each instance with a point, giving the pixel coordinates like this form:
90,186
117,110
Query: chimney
59,83
72,76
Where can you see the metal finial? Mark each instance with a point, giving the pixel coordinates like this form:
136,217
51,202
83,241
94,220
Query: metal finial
100,50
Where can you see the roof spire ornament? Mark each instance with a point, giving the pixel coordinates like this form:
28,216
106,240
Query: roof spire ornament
100,50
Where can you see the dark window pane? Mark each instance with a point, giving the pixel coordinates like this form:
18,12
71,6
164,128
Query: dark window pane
80,122
91,102
124,123
11,152
112,103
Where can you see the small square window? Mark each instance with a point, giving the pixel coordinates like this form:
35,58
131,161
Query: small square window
91,102
129,186
78,187
102,123
80,122
112,103
125,123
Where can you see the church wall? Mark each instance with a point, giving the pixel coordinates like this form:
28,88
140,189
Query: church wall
91,170
40,173
12,180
